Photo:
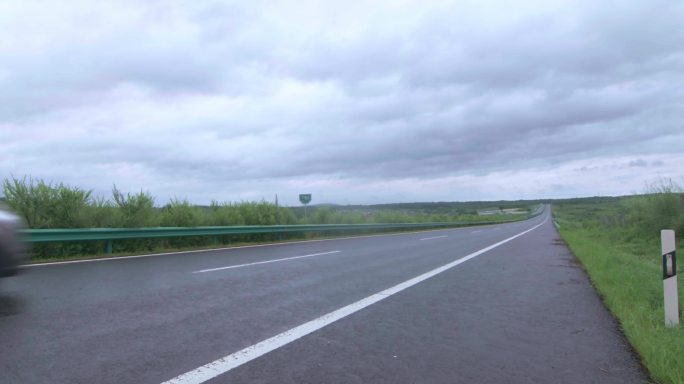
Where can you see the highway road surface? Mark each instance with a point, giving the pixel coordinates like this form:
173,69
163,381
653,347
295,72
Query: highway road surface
493,304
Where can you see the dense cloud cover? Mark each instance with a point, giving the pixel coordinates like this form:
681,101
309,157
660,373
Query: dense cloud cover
354,102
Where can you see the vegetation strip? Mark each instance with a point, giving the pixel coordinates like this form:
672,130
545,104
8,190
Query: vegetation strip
618,245
56,206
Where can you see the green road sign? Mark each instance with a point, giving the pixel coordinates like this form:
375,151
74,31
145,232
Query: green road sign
305,198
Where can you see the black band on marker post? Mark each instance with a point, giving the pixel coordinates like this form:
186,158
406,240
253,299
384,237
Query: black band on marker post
669,264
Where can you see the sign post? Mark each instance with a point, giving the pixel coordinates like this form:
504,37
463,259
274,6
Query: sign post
667,238
305,199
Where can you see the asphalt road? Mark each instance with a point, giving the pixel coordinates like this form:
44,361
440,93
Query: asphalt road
521,312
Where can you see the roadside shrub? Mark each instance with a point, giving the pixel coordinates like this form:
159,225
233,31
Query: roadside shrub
180,213
136,210
45,205
660,208
102,213
224,214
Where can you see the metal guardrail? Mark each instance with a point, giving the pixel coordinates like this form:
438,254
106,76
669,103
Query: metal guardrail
38,236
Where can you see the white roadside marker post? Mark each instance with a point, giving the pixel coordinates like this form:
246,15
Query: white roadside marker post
667,238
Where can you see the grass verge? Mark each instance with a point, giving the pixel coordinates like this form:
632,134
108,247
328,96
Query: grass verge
626,271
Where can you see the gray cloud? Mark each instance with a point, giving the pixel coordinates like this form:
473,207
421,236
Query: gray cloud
638,163
410,102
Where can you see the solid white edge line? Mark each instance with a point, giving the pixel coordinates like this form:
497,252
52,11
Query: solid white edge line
434,237
265,262
234,360
241,247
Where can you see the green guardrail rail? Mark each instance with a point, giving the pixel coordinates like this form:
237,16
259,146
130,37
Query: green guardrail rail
38,236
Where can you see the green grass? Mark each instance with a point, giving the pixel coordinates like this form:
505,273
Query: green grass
624,266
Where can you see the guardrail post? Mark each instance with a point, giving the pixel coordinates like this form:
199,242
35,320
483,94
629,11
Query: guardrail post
109,247
667,238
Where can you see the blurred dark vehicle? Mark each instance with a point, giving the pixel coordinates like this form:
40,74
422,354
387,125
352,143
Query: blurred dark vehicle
13,250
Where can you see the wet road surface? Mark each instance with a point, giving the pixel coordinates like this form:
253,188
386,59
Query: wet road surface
521,312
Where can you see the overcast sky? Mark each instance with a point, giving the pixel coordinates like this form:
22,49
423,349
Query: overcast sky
354,102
